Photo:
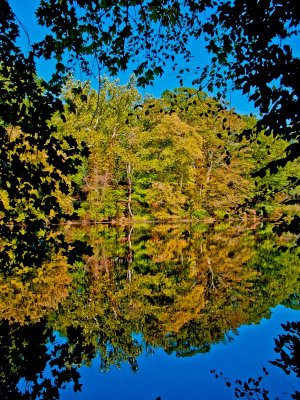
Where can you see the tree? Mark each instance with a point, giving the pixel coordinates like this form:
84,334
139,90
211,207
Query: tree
223,173
150,34
249,41
100,121
146,163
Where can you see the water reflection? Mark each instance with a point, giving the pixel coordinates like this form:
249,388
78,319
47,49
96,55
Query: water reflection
287,347
182,288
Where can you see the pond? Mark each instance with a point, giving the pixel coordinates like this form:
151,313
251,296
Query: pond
155,312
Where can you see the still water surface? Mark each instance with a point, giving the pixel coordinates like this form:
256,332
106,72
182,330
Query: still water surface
151,312
170,377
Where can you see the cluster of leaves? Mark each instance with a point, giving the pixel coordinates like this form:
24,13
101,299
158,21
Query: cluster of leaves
288,348
146,33
34,162
249,41
24,346
249,389
34,167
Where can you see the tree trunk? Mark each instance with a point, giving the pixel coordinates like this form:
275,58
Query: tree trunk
129,188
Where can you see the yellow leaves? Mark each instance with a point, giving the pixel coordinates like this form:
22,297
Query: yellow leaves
187,307
171,251
24,299
165,200
179,160
4,198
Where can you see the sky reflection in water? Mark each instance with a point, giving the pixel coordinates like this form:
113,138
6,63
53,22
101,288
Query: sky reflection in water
175,378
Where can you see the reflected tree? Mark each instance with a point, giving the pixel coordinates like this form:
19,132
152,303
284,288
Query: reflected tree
186,289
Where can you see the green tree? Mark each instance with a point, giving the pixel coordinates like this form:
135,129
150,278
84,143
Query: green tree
145,162
168,153
100,120
149,34
223,172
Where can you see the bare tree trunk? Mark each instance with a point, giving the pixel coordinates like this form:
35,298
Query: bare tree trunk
211,274
129,188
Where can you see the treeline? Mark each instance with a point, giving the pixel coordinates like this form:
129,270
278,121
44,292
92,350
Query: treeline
178,157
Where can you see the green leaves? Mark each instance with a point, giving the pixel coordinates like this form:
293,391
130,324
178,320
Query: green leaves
183,158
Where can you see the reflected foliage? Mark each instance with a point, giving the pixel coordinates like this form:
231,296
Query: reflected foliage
249,389
178,287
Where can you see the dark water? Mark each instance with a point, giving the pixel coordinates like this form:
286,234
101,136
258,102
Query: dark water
161,311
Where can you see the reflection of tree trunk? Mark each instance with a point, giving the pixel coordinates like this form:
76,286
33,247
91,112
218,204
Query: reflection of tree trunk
211,274
129,275
114,134
129,256
129,188
108,165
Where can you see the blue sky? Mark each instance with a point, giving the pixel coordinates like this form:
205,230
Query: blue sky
25,11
